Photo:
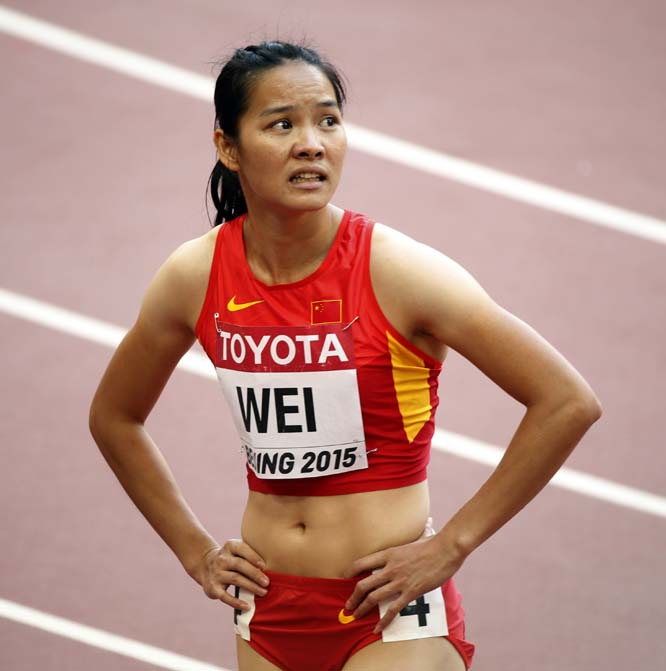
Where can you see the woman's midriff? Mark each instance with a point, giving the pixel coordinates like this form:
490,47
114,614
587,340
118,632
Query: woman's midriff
320,536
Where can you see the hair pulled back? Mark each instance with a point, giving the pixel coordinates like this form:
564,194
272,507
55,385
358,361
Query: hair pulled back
232,95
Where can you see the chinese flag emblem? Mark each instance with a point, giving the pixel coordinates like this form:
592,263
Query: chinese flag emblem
326,312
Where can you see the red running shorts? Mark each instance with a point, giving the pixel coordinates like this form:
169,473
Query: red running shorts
301,625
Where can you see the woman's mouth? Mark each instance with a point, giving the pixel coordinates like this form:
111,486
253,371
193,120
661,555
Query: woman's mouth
307,177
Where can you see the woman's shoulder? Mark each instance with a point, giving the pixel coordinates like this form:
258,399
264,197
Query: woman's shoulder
420,286
390,239
193,258
181,282
401,257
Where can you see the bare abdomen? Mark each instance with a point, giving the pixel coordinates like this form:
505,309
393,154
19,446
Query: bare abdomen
321,535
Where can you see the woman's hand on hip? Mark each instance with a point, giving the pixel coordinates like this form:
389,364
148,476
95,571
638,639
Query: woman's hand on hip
403,574
237,564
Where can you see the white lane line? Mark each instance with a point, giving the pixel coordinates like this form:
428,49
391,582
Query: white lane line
565,478
507,185
162,74
92,50
99,638
109,335
88,328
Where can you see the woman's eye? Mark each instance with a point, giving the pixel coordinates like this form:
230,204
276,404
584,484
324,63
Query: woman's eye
283,124
329,121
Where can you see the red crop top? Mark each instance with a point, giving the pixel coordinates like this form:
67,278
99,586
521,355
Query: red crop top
327,397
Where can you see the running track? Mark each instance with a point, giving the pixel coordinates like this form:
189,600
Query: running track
103,174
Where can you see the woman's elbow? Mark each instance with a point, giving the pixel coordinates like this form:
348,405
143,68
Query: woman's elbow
588,406
101,422
578,402
96,421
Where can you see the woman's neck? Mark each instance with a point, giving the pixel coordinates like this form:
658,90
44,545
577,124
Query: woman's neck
285,249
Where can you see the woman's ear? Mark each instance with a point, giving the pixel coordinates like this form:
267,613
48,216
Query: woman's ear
227,151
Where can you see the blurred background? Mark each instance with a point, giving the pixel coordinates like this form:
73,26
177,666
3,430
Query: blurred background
105,157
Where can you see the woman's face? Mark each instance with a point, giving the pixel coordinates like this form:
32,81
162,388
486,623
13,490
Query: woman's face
291,144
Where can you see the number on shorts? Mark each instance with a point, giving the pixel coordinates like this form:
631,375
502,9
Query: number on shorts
419,608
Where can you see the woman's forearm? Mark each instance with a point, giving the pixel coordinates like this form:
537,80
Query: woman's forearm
146,477
543,440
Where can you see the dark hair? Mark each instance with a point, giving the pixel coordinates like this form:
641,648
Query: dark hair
232,94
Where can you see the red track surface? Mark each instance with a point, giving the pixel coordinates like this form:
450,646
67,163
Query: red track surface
102,176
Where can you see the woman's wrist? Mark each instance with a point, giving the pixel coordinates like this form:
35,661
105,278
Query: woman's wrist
193,560
455,542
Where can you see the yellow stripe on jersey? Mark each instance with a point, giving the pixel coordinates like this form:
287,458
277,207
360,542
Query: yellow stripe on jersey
410,379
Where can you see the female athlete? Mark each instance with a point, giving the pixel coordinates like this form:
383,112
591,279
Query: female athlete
327,333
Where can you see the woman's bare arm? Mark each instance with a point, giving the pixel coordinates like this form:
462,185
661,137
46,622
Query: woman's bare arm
131,385
432,298
454,309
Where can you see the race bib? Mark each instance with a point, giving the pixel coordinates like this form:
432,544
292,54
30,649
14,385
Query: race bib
423,618
293,394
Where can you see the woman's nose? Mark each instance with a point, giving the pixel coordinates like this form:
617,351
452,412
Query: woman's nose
309,144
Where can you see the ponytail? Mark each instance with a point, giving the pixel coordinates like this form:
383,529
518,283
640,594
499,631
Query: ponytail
226,194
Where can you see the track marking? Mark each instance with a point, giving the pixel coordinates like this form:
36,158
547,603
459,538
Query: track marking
507,185
376,144
103,333
566,478
98,638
